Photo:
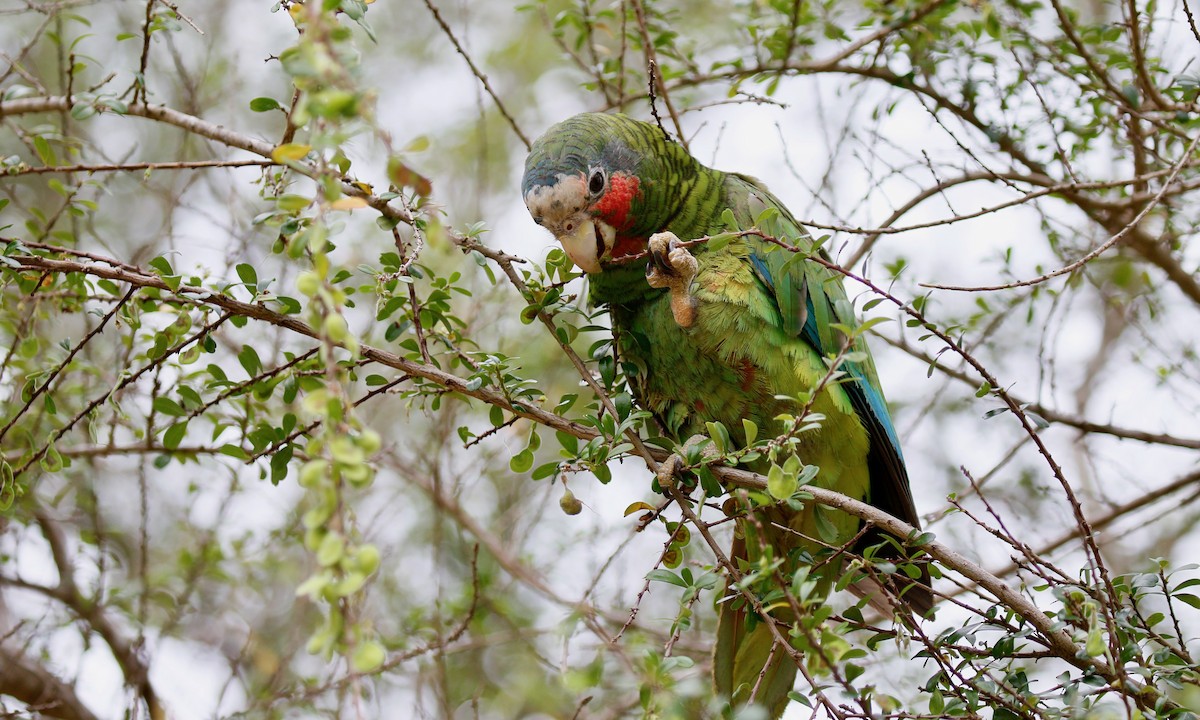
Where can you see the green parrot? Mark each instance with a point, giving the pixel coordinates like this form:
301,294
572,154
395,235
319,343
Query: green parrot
721,335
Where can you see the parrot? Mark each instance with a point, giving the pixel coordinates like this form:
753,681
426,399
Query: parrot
722,334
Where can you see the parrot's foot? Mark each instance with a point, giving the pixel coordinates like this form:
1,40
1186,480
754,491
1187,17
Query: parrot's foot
672,266
672,467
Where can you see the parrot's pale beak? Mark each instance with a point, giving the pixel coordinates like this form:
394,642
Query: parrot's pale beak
589,243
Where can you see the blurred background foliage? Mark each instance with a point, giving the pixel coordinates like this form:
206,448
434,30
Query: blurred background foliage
285,432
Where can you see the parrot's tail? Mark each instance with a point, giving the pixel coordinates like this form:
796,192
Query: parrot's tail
747,665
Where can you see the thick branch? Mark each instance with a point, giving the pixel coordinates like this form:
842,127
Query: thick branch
127,655
39,689
161,113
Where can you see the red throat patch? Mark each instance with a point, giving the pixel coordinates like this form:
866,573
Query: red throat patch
614,206
627,245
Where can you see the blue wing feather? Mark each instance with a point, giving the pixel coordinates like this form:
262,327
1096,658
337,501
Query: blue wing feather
866,399
809,298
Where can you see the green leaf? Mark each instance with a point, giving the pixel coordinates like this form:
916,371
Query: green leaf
666,576
264,104
44,152
720,436
780,485
768,214
751,431
1188,598
293,203
870,323
52,461
167,406
248,357
728,221
708,481
331,549
368,656
246,273
279,464
568,442
162,265
1095,642
807,474
602,473
350,584
8,486
825,527
313,587
82,111
718,242
174,435
290,152
544,471
521,462
418,144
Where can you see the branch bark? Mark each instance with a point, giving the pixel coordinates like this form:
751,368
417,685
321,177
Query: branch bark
39,689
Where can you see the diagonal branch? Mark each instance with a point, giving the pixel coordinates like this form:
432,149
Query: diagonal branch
487,86
41,691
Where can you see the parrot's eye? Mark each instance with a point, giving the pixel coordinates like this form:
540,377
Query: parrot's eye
596,183
569,226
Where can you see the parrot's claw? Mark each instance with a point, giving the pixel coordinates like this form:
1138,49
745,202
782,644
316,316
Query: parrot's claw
672,266
673,466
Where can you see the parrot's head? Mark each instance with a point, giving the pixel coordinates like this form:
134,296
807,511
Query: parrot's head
603,184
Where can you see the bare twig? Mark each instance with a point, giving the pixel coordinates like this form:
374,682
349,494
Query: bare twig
1097,251
129,167
654,77
477,73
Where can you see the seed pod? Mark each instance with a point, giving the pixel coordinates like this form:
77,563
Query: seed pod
569,503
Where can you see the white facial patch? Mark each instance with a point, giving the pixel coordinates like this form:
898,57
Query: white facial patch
562,209
551,204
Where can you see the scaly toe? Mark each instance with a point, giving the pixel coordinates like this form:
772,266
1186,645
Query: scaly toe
668,470
684,264
660,243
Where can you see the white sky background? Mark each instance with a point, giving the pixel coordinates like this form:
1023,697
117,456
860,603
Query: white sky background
437,94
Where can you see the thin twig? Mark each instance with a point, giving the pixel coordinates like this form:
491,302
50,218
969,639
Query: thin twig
478,74
1096,252
655,77
129,167
67,361
181,16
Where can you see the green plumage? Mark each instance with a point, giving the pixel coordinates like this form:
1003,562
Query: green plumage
763,329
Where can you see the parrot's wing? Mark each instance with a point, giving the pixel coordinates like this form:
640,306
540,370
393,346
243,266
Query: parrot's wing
811,298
